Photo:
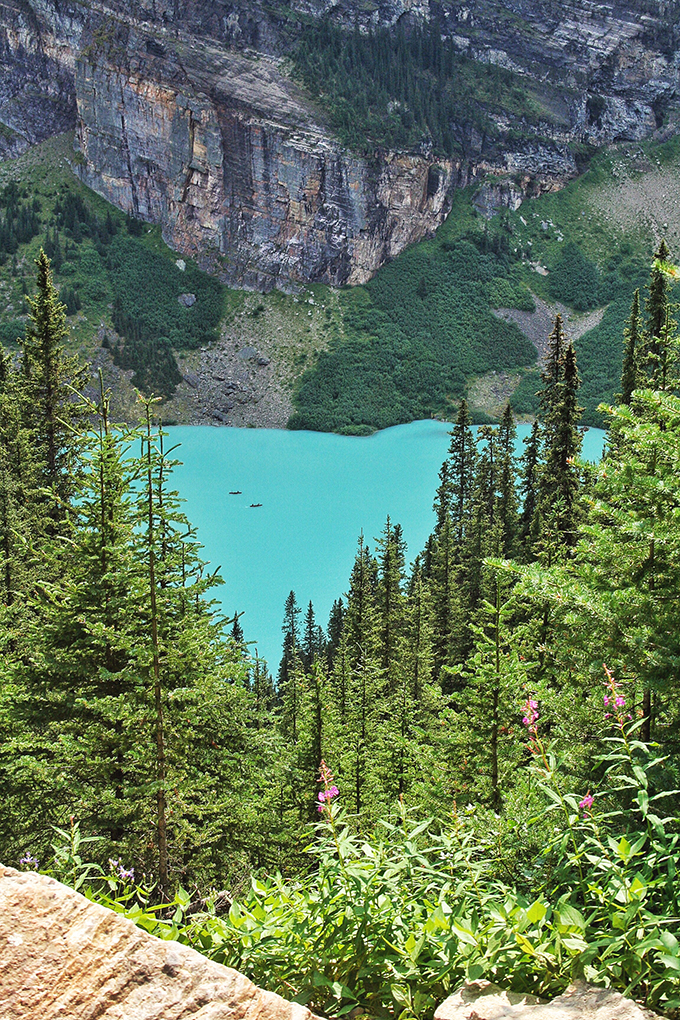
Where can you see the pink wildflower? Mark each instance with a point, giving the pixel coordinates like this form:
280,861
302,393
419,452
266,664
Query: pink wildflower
587,802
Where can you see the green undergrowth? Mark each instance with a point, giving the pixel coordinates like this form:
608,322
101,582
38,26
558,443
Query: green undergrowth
404,346
117,272
388,923
109,269
414,334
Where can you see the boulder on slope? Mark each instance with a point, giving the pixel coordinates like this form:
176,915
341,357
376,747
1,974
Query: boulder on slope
481,1000
63,957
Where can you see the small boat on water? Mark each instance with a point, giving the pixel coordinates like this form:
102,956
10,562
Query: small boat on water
256,504
236,492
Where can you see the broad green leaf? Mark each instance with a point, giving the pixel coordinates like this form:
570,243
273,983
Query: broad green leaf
536,912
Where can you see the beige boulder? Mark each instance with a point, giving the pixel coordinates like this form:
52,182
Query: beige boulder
65,958
481,1000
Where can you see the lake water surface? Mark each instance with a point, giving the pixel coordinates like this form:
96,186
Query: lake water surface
318,491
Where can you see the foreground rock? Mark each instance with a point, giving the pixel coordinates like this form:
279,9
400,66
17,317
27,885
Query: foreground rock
480,1000
64,957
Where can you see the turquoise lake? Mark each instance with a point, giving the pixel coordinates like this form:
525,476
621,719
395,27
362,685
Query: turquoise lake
318,491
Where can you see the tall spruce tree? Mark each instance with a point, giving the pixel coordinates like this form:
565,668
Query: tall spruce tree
630,375
507,483
529,491
290,682
657,306
462,458
336,622
551,378
390,601
560,479
51,379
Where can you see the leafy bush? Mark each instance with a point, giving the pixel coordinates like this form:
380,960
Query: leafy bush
396,921
12,331
390,923
574,279
19,220
146,311
100,263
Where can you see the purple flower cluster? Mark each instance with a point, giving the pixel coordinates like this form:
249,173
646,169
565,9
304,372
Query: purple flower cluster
530,712
615,700
587,802
326,796
29,861
329,791
126,874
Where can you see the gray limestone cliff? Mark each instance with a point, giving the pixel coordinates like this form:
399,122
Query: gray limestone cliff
186,115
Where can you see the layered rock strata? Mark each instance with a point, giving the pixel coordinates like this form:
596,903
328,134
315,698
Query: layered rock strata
262,197
186,115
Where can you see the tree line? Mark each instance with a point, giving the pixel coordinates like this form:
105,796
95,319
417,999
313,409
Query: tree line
483,616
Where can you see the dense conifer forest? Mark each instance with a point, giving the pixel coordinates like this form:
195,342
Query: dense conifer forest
472,771
403,89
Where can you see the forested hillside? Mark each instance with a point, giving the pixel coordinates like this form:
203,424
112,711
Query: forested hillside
583,248
410,88
433,326
487,740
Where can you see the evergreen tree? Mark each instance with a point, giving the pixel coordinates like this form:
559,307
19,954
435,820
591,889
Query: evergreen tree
630,376
478,741
335,628
485,533
50,410
529,491
313,643
507,492
290,682
237,630
560,479
445,594
462,460
390,602
657,312
360,616
551,378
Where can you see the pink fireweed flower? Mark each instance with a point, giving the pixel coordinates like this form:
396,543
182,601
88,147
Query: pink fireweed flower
329,792
587,802
530,713
614,699
325,774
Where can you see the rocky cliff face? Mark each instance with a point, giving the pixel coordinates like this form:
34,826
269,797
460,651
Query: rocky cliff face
185,116
237,168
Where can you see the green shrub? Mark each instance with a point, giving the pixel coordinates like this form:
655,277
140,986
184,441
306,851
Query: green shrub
574,279
412,336
12,331
390,923
146,311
